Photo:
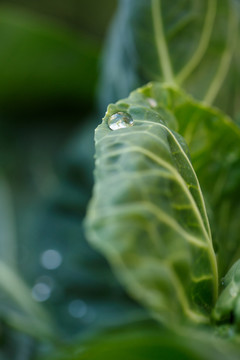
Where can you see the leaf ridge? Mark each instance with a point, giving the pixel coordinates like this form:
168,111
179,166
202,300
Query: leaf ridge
208,235
162,217
163,55
226,59
203,43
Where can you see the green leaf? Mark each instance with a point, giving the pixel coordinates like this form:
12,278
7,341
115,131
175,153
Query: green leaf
19,309
147,214
193,44
227,308
213,140
144,343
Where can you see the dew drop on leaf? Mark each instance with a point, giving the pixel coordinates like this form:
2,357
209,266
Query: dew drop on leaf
233,292
120,120
152,102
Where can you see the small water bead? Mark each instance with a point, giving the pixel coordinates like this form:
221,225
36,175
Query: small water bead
233,292
42,289
41,292
51,259
152,102
77,308
120,120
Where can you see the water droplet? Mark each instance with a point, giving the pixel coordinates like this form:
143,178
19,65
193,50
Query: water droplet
120,120
77,308
152,102
51,259
233,292
222,282
41,292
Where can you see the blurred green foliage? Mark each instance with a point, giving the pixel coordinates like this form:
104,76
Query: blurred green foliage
43,63
90,17
146,341
49,68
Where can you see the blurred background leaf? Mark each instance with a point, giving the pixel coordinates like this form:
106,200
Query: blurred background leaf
49,69
145,341
204,30
42,60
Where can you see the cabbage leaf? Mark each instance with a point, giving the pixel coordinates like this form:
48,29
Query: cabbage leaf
148,215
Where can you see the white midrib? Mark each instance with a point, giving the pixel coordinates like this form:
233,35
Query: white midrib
160,40
203,43
226,59
162,48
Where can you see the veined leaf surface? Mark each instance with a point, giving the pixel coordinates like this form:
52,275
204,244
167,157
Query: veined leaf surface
227,309
193,44
148,216
213,140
